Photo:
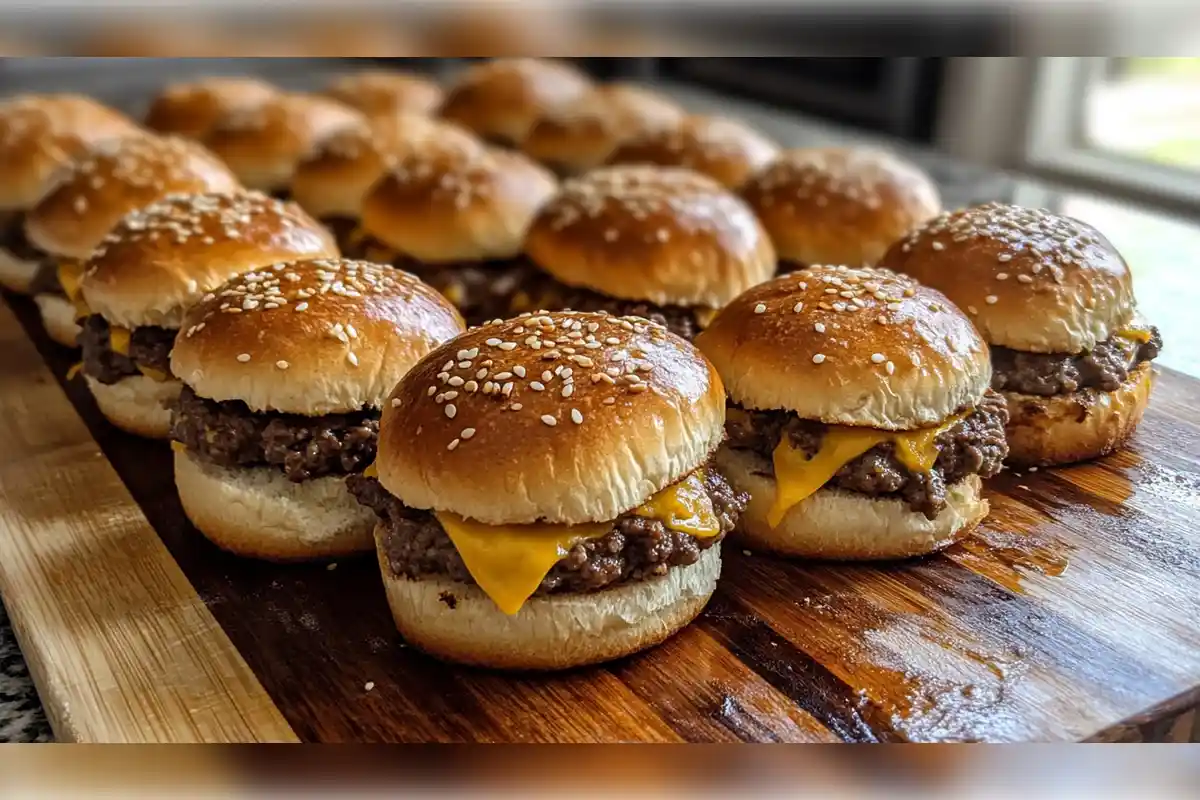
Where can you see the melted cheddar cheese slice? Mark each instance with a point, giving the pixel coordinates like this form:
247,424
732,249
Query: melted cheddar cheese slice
118,340
153,374
70,273
1139,335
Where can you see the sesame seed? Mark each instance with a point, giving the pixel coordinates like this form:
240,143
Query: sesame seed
302,306
508,345
819,327
519,371
760,309
891,368
451,410
431,392
549,420
467,433
576,416
938,246
516,406
470,386
352,358
608,401
537,386
991,299
244,357
819,358
370,684
1024,279
464,365
452,445
481,373
972,310
548,375
1004,257
568,390
798,307
878,358
282,364
450,395
456,381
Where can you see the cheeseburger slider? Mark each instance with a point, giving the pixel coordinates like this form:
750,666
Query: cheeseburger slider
721,148
39,134
192,109
151,267
499,100
382,93
284,370
92,195
456,218
860,419
545,492
832,205
668,244
1055,301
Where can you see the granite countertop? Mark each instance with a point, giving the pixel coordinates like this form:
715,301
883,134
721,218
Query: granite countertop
1157,247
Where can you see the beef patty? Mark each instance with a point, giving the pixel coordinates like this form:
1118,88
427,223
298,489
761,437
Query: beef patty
636,548
973,446
149,347
229,434
1104,367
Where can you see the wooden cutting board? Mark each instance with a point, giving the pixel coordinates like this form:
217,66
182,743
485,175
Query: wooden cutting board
1073,614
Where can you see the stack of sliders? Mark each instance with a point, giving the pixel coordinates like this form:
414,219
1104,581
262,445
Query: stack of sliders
860,418
839,205
457,217
155,264
285,369
382,93
724,149
1054,299
546,494
667,244
39,134
193,109
92,195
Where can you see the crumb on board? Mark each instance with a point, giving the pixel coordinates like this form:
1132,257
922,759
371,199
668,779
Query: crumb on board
331,566
369,685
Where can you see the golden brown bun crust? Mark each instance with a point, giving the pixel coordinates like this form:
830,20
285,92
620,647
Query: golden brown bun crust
553,632
383,93
192,109
833,205
161,259
499,100
39,133
137,404
668,236
457,204
569,447
114,179
1030,280
58,318
1075,427
722,148
903,358
342,334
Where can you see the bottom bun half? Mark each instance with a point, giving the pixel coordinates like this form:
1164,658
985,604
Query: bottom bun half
137,404
259,513
458,622
58,318
16,274
1075,427
835,524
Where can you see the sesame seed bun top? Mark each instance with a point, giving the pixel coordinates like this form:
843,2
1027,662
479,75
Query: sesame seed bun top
450,204
161,259
40,133
1029,279
667,236
102,186
311,337
849,346
721,148
377,92
561,417
192,109
834,205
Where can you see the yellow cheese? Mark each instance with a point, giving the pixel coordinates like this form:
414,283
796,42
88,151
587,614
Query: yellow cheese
178,447
684,507
153,374
1135,334
118,339
371,471
74,370
705,316
70,273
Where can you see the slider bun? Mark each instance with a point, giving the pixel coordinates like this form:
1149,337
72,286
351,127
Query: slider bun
161,259
667,236
58,318
16,275
137,404
114,179
40,133
1065,287
835,205
764,350
457,204
842,525
263,144
1066,428
258,513
383,93
298,362
499,100
722,148
192,109
550,632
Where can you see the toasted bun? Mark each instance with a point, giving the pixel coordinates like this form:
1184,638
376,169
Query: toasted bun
263,144
551,632
724,149
137,404
834,205
16,274
381,93
473,453
457,204
161,259
114,179
581,135
1075,427
905,358
192,109
58,318
334,180
499,100
311,337
40,133
842,525
669,236
259,513
1030,280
